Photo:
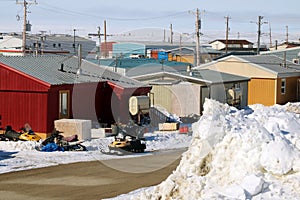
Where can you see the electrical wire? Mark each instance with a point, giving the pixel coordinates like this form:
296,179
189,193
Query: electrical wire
55,9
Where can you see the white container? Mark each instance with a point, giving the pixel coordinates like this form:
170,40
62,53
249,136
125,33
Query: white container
79,127
139,103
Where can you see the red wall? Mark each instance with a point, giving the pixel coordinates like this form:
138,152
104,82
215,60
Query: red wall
23,100
14,80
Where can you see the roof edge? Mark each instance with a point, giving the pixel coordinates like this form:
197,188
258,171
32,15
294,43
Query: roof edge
26,75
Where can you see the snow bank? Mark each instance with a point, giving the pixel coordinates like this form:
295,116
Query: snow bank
246,154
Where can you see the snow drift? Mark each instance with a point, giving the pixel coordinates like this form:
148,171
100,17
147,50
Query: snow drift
236,154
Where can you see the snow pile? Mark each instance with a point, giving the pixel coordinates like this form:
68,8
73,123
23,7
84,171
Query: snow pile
166,140
293,107
247,154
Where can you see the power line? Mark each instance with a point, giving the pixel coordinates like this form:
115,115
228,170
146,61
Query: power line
67,12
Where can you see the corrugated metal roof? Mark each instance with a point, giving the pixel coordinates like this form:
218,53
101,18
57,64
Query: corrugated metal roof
202,76
59,42
291,53
214,77
47,68
272,63
129,63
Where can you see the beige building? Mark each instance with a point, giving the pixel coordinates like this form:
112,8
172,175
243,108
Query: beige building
273,80
184,93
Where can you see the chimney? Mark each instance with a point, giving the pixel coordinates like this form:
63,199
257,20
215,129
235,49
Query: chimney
79,71
62,67
79,55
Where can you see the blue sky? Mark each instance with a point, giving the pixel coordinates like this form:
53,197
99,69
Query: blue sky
61,16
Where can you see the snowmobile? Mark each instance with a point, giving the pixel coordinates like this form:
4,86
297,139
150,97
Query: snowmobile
127,144
62,143
128,139
26,134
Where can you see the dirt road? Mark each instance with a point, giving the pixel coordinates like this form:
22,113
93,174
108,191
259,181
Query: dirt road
88,180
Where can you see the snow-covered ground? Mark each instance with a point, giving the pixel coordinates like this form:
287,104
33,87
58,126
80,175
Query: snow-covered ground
236,154
22,155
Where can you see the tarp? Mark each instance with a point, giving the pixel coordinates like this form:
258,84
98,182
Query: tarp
52,147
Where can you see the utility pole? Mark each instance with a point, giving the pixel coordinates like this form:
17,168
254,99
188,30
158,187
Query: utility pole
74,40
180,46
105,39
259,23
227,30
99,49
171,33
259,33
287,34
25,4
198,27
270,34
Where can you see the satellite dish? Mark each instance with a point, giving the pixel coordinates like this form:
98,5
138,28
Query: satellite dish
298,54
18,17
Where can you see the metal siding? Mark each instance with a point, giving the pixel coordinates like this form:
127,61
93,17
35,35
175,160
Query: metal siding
126,49
162,96
18,108
11,80
261,91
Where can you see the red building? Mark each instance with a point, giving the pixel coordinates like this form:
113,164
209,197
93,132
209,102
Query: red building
39,90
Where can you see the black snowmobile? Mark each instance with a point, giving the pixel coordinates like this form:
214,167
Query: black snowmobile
63,143
128,139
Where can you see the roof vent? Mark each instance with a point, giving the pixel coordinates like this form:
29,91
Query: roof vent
62,67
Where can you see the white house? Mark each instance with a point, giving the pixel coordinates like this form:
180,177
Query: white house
233,44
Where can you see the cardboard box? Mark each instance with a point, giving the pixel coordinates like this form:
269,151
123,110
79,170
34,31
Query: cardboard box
168,126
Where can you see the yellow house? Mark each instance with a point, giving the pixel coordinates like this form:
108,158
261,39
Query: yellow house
273,80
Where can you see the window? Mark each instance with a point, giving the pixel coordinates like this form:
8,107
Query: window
64,110
283,86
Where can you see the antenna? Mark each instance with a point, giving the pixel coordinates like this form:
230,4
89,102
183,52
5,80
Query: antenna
25,26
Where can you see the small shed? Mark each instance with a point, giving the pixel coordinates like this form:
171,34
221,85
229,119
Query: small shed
184,93
39,90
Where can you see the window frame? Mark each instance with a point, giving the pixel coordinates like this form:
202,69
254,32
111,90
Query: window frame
283,86
62,104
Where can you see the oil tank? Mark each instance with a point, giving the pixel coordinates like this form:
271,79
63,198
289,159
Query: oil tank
139,103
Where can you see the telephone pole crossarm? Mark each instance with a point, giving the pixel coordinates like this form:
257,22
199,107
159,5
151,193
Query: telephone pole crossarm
198,34
25,6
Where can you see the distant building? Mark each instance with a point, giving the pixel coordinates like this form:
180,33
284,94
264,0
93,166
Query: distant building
11,44
164,51
220,44
285,45
126,66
